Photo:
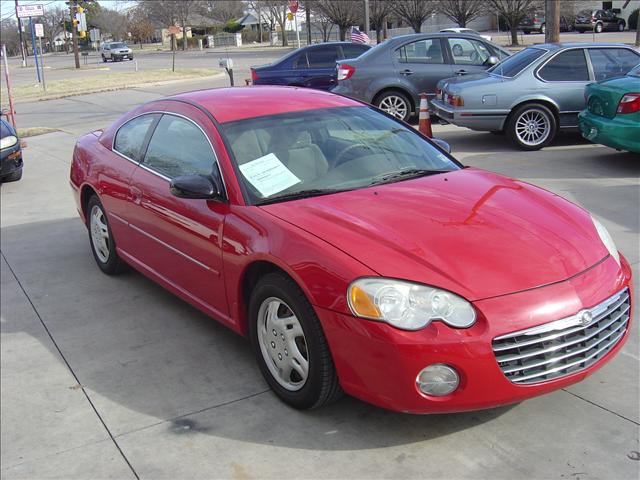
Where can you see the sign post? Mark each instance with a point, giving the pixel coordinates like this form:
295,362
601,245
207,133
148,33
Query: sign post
293,8
12,112
39,28
33,46
174,30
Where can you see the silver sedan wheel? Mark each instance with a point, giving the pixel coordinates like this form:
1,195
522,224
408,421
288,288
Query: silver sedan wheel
99,233
533,127
283,344
395,106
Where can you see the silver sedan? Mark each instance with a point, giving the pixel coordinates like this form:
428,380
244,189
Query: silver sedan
534,93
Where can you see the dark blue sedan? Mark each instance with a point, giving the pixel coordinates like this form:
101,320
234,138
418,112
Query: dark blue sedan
313,66
10,154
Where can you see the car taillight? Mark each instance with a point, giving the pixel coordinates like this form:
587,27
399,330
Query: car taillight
254,75
630,103
345,72
455,100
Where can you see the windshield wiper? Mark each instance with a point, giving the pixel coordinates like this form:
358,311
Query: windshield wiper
313,192
408,173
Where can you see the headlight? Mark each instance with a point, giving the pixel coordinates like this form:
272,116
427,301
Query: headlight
406,305
606,239
8,141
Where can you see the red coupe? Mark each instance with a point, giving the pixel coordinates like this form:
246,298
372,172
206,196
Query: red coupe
356,254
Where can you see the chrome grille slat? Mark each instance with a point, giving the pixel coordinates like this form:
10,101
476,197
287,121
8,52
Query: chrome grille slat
572,353
565,346
616,300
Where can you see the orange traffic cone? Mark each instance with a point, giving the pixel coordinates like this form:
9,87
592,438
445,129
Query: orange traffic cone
424,125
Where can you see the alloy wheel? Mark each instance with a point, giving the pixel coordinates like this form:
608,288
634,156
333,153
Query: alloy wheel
533,127
283,344
394,105
99,234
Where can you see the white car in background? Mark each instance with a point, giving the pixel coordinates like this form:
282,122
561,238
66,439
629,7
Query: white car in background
116,51
465,30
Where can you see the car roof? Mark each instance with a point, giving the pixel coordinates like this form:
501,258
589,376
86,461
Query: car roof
238,103
557,46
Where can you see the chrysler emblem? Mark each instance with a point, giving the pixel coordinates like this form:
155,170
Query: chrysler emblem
585,317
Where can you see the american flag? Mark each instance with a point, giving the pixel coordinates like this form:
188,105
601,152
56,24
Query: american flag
357,36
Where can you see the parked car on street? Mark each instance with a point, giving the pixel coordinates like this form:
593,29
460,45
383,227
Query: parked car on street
465,30
313,66
612,116
116,51
536,22
10,153
598,21
393,74
353,252
534,93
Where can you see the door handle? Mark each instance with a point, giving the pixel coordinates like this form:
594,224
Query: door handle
461,72
406,72
136,195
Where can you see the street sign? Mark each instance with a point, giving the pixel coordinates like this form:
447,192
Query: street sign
293,6
26,11
174,30
82,21
94,34
289,16
39,28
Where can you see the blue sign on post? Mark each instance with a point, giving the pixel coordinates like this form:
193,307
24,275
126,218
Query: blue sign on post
33,45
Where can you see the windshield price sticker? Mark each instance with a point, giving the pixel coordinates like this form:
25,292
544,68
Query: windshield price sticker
268,175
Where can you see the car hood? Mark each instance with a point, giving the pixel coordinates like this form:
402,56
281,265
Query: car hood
472,232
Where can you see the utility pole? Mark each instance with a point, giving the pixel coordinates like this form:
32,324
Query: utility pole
74,35
259,23
307,13
366,17
552,20
24,56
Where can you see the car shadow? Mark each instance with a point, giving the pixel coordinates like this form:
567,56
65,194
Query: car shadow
147,358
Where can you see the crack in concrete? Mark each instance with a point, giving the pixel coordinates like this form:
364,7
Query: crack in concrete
600,406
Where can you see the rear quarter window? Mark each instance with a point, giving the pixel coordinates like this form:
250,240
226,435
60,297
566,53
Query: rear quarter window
131,136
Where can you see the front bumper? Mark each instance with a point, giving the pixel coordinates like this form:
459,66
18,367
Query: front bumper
617,132
482,120
379,364
120,56
11,160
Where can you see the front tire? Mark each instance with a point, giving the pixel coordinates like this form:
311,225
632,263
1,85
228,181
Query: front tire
543,28
104,59
395,103
11,177
532,126
621,27
289,344
103,245
598,28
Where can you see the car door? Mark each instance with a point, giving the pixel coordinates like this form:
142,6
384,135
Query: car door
321,73
563,78
420,65
612,62
179,241
468,55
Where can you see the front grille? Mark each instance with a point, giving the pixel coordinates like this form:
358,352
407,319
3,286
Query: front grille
565,346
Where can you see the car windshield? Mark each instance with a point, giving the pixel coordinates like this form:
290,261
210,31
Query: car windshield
117,45
513,65
584,13
316,152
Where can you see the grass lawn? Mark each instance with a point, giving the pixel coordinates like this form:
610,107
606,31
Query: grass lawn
103,83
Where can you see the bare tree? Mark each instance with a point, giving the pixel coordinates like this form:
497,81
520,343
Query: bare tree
223,10
378,11
10,36
111,22
171,12
415,12
275,12
53,22
343,13
184,8
513,12
140,27
462,11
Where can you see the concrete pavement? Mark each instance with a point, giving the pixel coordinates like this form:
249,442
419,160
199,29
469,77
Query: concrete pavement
113,377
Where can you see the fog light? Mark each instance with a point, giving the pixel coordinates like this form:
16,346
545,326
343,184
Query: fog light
438,380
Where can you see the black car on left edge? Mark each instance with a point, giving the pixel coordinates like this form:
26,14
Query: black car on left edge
10,154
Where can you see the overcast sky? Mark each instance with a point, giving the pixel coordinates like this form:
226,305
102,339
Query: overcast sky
8,10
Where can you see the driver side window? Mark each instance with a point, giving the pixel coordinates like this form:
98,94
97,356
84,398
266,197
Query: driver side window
468,52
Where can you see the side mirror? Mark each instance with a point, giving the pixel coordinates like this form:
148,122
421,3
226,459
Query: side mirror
442,144
196,186
493,60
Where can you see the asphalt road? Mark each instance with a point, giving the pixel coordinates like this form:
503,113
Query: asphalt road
113,377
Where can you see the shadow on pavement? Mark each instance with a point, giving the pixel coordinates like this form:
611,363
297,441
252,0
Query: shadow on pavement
146,357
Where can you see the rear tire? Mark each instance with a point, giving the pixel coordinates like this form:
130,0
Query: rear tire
532,126
289,344
543,28
598,28
103,245
394,103
104,59
621,27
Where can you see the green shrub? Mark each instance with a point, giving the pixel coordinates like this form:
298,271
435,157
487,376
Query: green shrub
232,26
